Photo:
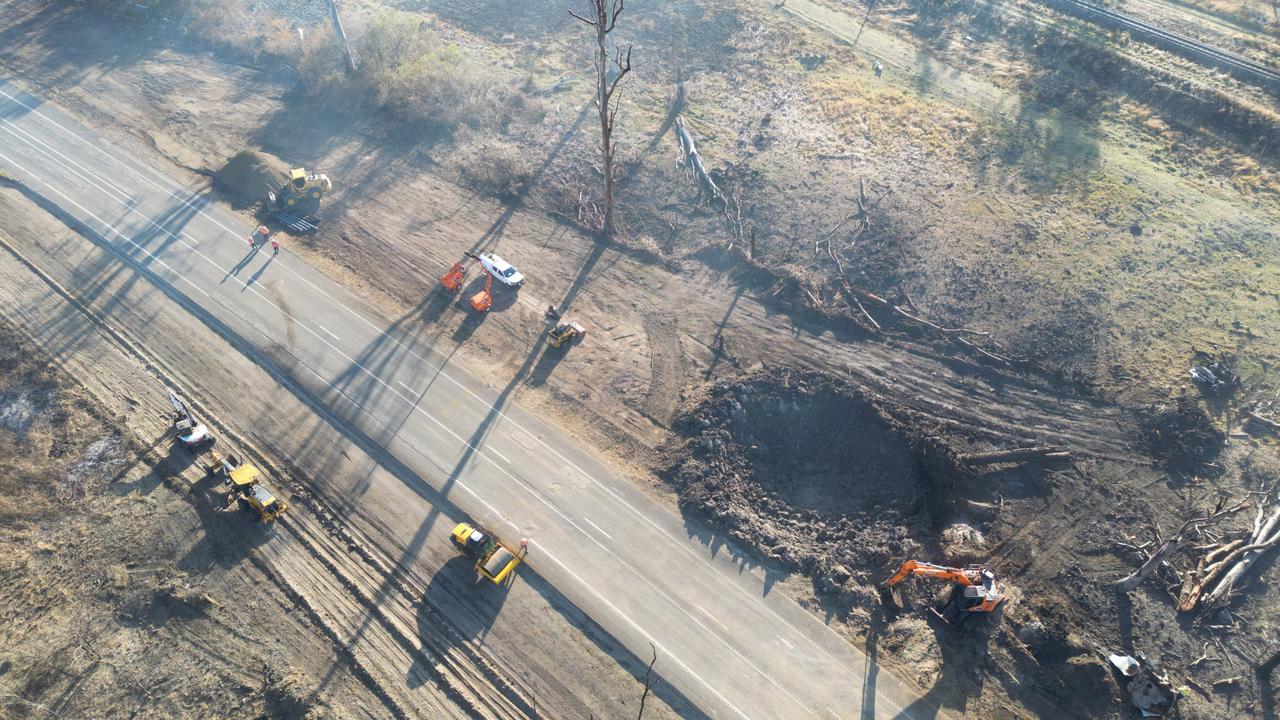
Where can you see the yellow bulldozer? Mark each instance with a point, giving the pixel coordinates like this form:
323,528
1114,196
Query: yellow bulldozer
248,486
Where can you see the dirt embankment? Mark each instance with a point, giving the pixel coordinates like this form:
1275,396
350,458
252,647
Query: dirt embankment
814,476
248,176
118,598
805,472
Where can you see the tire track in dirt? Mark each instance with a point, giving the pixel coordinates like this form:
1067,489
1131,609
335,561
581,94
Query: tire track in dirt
667,367
328,595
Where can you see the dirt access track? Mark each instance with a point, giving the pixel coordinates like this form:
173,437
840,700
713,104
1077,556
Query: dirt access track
657,336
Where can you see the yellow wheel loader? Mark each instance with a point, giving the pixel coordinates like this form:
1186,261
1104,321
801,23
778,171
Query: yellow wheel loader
248,486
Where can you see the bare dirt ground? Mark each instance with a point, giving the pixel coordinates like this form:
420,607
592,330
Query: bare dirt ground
123,598
1100,214
421,642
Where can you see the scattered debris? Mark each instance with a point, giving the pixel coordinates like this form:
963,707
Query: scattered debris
1149,689
1224,564
1215,379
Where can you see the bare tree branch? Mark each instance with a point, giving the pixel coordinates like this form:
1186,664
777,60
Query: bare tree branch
603,17
648,681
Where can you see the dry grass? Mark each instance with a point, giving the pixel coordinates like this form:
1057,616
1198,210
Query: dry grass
411,74
893,118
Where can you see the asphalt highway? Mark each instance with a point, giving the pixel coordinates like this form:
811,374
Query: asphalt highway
730,642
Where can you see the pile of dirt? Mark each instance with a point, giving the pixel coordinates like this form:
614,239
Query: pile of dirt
249,176
803,469
1181,438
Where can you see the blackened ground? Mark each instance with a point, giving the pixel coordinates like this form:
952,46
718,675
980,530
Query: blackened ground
805,470
1180,437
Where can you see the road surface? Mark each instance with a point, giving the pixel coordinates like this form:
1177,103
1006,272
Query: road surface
727,642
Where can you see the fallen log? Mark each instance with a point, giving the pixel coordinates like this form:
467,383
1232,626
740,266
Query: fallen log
1264,537
1179,540
693,161
1267,423
1038,452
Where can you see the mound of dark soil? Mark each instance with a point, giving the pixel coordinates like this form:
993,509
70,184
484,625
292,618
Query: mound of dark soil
247,177
803,469
1181,437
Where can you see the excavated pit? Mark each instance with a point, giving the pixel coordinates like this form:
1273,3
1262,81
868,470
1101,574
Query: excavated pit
803,469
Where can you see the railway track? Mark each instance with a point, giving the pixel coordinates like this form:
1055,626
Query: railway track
1242,68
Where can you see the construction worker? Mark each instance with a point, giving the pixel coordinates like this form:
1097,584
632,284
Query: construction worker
265,233
262,232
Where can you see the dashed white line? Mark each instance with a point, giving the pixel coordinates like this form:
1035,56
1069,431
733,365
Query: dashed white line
495,452
551,449
620,561
197,287
597,527
712,617
406,387
383,332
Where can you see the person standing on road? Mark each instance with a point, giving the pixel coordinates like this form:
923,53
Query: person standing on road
265,233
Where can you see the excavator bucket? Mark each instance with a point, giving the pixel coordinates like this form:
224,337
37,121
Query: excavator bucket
891,598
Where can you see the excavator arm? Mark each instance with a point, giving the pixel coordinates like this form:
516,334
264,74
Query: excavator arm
915,567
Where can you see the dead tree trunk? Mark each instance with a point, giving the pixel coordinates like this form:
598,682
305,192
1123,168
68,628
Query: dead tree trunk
1131,582
648,681
1265,535
1040,452
693,162
1176,542
342,35
603,16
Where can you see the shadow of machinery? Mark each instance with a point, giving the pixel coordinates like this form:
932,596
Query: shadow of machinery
229,532
964,651
457,596
547,362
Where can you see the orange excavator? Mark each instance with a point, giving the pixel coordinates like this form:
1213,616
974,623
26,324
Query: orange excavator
453,280
977,591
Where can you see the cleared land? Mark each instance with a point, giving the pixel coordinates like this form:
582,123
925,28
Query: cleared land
1101,208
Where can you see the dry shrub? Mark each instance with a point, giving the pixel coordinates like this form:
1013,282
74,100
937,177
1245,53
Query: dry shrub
494,166
234,25
416,77
322,69
411,74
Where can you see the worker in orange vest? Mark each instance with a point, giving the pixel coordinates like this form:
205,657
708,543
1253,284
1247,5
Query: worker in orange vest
265,233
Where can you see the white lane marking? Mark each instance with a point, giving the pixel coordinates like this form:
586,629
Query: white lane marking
197,287
414,407
335,337
406,387
495,452
382,332
439,368
713,618
665,652
119,194
597,527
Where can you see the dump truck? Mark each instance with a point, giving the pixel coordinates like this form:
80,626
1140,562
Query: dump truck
248,486
492,558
